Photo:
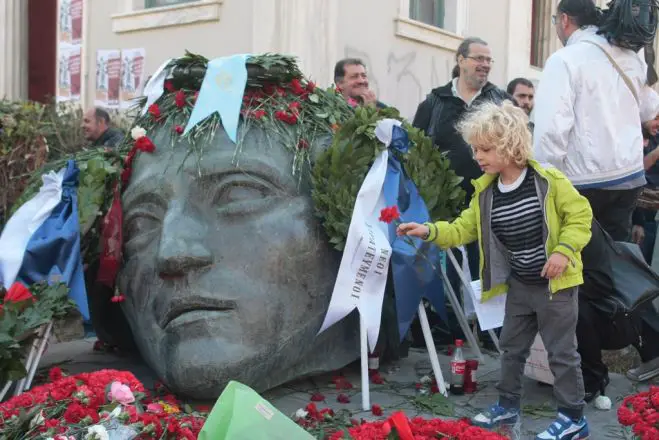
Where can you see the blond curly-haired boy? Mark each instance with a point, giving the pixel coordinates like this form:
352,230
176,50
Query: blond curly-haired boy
531,224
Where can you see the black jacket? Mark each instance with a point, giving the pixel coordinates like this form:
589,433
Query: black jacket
438,115
112,138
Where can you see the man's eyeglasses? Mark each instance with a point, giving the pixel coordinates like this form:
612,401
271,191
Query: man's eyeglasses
553,19
482,59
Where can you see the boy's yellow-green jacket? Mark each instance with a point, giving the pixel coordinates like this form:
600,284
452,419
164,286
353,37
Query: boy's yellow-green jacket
568,218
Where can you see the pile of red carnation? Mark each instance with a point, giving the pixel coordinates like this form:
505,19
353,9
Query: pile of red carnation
418,428
641,413
84,404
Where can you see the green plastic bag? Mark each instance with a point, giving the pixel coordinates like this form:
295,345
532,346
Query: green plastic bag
241,414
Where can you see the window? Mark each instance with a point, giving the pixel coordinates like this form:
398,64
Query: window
541,32
158,3
428,11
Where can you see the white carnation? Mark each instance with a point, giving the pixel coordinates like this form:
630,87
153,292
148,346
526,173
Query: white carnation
300,414
137,132
97,432
603,403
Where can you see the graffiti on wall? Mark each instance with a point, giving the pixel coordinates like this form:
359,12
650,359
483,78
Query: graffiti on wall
405,80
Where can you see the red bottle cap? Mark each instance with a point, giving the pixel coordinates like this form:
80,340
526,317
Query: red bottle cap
459,342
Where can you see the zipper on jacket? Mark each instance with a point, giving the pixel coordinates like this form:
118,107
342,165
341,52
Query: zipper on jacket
544,214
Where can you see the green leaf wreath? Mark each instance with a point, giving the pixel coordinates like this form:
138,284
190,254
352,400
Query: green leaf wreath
278,99
339,172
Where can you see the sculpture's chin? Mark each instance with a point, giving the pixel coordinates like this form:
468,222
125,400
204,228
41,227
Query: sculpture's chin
201,368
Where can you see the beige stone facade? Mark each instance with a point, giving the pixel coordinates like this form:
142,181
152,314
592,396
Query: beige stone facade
405,56
13,49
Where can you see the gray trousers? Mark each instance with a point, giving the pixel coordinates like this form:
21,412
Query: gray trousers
530,310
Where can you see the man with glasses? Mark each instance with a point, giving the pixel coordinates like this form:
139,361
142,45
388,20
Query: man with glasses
445,105
438,115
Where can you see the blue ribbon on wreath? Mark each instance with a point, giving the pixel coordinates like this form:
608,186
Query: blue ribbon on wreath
415,269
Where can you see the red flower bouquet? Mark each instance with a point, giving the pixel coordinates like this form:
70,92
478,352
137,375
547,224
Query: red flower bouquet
417,429
640,412
86,403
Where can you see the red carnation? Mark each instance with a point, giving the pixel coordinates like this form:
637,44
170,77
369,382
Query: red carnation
169,86
377,379
179,99
286,117
342,383
154,111
342,398
18,293
118,298
317,397
55,373
258,114
296,87
311,86
303,144
294,107
389,214
178,129
376,410
269,89
144,144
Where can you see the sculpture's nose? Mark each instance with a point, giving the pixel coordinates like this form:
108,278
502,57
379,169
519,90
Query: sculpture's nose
182,247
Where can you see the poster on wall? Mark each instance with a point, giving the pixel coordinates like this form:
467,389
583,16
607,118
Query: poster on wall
108,78
75,11
132,75
70,21
69,51
65,22
69,77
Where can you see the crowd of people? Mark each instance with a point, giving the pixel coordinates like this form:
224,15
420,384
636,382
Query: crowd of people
544,171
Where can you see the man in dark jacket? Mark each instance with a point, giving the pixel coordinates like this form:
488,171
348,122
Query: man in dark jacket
97,130
438,115
446,105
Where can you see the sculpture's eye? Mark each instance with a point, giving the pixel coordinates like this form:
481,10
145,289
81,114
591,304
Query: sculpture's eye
142,224
244,194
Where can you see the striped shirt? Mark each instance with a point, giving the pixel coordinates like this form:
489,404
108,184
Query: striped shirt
517,221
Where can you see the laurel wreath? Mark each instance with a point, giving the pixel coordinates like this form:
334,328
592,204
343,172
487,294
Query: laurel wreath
339,172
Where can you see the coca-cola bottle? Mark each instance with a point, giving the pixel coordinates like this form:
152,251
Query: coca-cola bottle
458,365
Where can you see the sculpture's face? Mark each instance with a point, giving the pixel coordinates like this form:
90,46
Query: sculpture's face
228,274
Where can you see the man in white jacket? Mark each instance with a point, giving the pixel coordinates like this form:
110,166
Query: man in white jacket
589,115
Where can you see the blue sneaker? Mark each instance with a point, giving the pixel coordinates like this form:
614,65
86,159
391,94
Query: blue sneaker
496,416
564,428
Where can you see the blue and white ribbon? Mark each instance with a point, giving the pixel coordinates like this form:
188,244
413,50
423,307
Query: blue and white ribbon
47,240
371,244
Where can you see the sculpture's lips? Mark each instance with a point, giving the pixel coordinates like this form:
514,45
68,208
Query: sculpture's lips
182,306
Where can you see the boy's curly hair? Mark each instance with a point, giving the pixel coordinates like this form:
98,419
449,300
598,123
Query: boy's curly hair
504,127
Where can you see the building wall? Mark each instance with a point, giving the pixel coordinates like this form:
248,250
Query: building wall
405,58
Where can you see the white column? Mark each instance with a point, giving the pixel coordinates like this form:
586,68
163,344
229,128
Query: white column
13,49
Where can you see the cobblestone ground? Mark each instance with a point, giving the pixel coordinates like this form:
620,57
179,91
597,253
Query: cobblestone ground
397,393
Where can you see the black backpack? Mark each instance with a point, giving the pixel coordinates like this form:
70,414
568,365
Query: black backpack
617,280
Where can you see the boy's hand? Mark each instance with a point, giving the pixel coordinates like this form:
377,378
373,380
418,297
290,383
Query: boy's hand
413,229
555,266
